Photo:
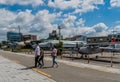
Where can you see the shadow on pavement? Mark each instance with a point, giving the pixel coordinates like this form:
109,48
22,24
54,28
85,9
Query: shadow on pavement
27,68
45,67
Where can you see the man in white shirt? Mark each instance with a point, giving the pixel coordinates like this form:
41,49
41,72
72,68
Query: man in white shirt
37,54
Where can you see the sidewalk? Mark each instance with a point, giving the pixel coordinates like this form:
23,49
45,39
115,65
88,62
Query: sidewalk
13,72
79,64
83,65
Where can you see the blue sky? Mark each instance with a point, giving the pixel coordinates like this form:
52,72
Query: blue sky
76,17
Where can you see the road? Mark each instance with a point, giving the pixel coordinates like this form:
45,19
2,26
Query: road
64,73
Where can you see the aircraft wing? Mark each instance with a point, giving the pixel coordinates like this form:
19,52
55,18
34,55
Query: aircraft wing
110,49
89,50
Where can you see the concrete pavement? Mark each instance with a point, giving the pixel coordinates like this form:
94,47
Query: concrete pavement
70,63
13,72
81,65
90,66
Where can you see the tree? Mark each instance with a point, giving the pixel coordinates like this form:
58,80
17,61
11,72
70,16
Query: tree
59,47
42,40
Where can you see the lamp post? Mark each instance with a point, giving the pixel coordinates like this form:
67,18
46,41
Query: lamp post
19,32
59,28
19,29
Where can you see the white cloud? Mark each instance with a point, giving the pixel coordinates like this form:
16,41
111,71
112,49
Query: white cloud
24,17
62,4
69,21
117,28
88,5
42,23
80,22
22,2
80,6
6,17
100,27
39,23
115,3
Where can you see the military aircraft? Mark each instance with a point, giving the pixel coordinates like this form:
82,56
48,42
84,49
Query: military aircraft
66,44
96,48
113,47
89,49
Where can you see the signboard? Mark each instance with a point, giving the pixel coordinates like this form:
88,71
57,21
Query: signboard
113,40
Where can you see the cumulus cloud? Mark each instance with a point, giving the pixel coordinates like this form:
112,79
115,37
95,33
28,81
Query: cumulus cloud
88,5
69,21
6,17
43,22
100,27
22,2
39,24
117,28
115,3
80,6
24,17
80,22
62,4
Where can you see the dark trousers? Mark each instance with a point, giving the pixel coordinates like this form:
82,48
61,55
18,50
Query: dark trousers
41,61
36,60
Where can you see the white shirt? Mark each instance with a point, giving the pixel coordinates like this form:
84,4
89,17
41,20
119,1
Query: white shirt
37,51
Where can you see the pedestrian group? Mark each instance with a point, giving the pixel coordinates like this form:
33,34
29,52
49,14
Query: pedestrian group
39,56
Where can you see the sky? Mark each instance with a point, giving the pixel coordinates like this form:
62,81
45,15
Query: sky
76,17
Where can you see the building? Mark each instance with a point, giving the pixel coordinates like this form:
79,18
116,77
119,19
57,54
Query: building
98,39
14,37
115,36
53,35
77,38
29,37
109,38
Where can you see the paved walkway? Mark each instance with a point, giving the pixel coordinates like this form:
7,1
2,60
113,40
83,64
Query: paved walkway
83,65
13,72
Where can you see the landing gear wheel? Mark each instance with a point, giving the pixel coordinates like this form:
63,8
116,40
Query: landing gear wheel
96,57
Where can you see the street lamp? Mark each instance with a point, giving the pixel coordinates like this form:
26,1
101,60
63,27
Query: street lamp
19,32
19,29
59,28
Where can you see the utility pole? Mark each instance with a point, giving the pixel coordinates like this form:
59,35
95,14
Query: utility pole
59,28
19,31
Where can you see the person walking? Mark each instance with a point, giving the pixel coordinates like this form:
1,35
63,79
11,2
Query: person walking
41,58
54,56
37,54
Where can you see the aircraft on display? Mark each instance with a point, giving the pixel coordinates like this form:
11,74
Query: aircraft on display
94,48
66,44
113,47
89,49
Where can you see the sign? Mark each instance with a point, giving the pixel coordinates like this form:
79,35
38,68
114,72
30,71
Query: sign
113,39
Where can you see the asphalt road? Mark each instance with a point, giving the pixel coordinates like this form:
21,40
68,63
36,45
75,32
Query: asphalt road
64,73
